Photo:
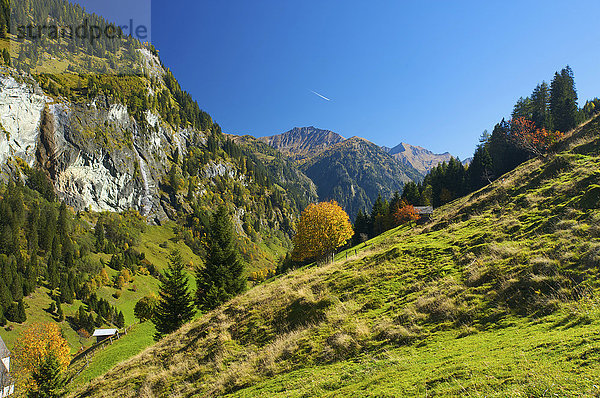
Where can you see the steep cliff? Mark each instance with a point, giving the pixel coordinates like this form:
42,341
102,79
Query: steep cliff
96,153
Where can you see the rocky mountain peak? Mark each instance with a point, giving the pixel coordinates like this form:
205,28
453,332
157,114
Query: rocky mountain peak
303,142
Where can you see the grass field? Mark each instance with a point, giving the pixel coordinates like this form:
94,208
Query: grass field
516,358
497,296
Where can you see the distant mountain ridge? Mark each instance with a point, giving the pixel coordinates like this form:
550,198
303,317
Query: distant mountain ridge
418,157
353,171
303,142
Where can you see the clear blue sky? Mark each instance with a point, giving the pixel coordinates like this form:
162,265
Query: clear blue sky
433,74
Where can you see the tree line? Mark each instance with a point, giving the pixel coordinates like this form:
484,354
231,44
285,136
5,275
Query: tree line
537,122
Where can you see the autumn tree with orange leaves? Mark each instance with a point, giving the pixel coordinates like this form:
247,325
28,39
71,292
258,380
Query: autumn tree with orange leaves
527,136
405,213
323,227
34,347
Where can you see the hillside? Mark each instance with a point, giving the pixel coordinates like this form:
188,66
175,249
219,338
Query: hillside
112,130
285,171
101,133
417,157
497,296
303,142
354,172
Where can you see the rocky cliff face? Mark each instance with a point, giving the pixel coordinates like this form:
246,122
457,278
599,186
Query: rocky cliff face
96,154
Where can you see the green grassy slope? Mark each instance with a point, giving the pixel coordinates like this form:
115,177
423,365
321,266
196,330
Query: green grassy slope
497,296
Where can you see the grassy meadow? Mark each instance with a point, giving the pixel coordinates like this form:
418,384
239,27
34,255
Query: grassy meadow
496,296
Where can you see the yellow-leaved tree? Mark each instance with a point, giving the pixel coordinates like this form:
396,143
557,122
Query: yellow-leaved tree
323,227
34,346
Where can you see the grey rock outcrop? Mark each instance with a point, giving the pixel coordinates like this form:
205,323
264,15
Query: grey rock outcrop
97,155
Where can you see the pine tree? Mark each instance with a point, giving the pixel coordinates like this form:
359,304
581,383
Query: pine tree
410,194
361,228
99,234
20,315
62,224
380,216
522,108
223,275
176,305
120,321
48,379
563,101
540,103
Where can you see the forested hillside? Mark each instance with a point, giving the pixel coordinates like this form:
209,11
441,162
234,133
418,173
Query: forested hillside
107,166
354,172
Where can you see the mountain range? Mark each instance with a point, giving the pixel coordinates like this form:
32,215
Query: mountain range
353,171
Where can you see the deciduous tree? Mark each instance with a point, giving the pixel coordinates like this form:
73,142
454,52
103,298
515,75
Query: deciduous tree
406,213
144,308
527,136
33,348
323,227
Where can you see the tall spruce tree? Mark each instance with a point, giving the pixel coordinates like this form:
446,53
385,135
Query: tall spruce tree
540,103
223,275
563,101
176,305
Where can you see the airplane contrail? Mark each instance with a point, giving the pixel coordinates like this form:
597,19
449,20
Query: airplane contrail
322,96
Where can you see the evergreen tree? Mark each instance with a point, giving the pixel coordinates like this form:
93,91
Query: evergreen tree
120,321
522,108
379,216
48,379
361,228
505,155
100,238
540,103
396,200
16,312
426,196
62,224
563,101
411,194
175,306
223,275
480,170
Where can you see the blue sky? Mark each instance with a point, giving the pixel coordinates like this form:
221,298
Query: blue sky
433,74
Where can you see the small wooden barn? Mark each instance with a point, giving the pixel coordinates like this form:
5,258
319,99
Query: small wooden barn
103,334
425,213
